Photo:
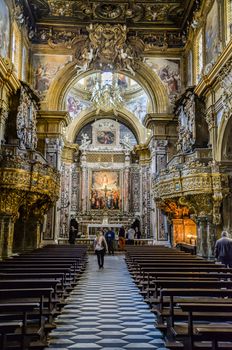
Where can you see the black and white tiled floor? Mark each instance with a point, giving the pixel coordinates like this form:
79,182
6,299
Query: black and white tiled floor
105,311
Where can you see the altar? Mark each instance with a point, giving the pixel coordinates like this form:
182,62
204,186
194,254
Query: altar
93,228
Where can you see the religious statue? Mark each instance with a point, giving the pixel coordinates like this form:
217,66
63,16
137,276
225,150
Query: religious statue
85,142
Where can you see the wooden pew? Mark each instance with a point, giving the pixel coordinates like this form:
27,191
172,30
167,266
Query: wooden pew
26,277
207,312
6,328
178,295
215,334
18,312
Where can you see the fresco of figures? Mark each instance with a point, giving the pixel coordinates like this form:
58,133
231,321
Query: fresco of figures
105,191
4,29
74,105
123,81
105,137
212,42
46,68
169,72
138,106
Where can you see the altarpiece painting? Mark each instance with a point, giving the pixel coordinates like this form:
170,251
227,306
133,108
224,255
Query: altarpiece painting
105,190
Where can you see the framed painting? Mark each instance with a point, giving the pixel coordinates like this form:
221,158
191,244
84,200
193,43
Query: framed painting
45,69
212,37
4,29
105,190
168,71
105,137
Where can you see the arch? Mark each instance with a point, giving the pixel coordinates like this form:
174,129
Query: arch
223,133
122,115
145,76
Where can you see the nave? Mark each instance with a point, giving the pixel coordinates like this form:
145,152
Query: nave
106,311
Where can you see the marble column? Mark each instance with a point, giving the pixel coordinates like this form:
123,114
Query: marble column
158,150
126,182
53,149
6,235
211,239
202,237
84,183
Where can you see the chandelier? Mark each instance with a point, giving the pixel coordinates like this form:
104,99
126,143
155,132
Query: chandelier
106,94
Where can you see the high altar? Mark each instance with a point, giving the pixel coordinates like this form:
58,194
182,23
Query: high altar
104,169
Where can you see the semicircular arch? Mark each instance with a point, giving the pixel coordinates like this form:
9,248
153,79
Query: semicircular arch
123,115
144,75
224,138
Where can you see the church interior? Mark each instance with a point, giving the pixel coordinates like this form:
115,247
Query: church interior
113,113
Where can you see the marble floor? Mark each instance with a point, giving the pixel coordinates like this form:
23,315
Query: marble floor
106,311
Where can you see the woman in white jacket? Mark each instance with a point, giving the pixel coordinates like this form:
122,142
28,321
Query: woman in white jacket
100,248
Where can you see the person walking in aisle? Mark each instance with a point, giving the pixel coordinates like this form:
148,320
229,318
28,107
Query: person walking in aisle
100,248
223,249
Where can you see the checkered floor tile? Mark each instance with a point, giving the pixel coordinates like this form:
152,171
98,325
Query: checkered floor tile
105,311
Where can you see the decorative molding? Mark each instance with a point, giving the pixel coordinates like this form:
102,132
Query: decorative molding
192,128
29,181
198,186
108,48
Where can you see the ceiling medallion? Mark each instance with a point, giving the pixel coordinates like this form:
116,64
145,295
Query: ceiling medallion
107,48
108,11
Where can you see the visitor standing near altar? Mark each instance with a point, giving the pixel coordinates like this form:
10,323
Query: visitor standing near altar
121,238
131,235
100,248
110,238
73,230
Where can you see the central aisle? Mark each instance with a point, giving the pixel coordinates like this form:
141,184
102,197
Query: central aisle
106,311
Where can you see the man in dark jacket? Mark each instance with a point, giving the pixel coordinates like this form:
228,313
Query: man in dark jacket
110,237
223,249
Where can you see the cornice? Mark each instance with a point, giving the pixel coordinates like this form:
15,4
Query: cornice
54,117
152,119
7,75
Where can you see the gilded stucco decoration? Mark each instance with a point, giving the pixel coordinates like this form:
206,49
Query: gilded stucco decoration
67,39
107,47
26,182
174,209
159,25
199,187
142,11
